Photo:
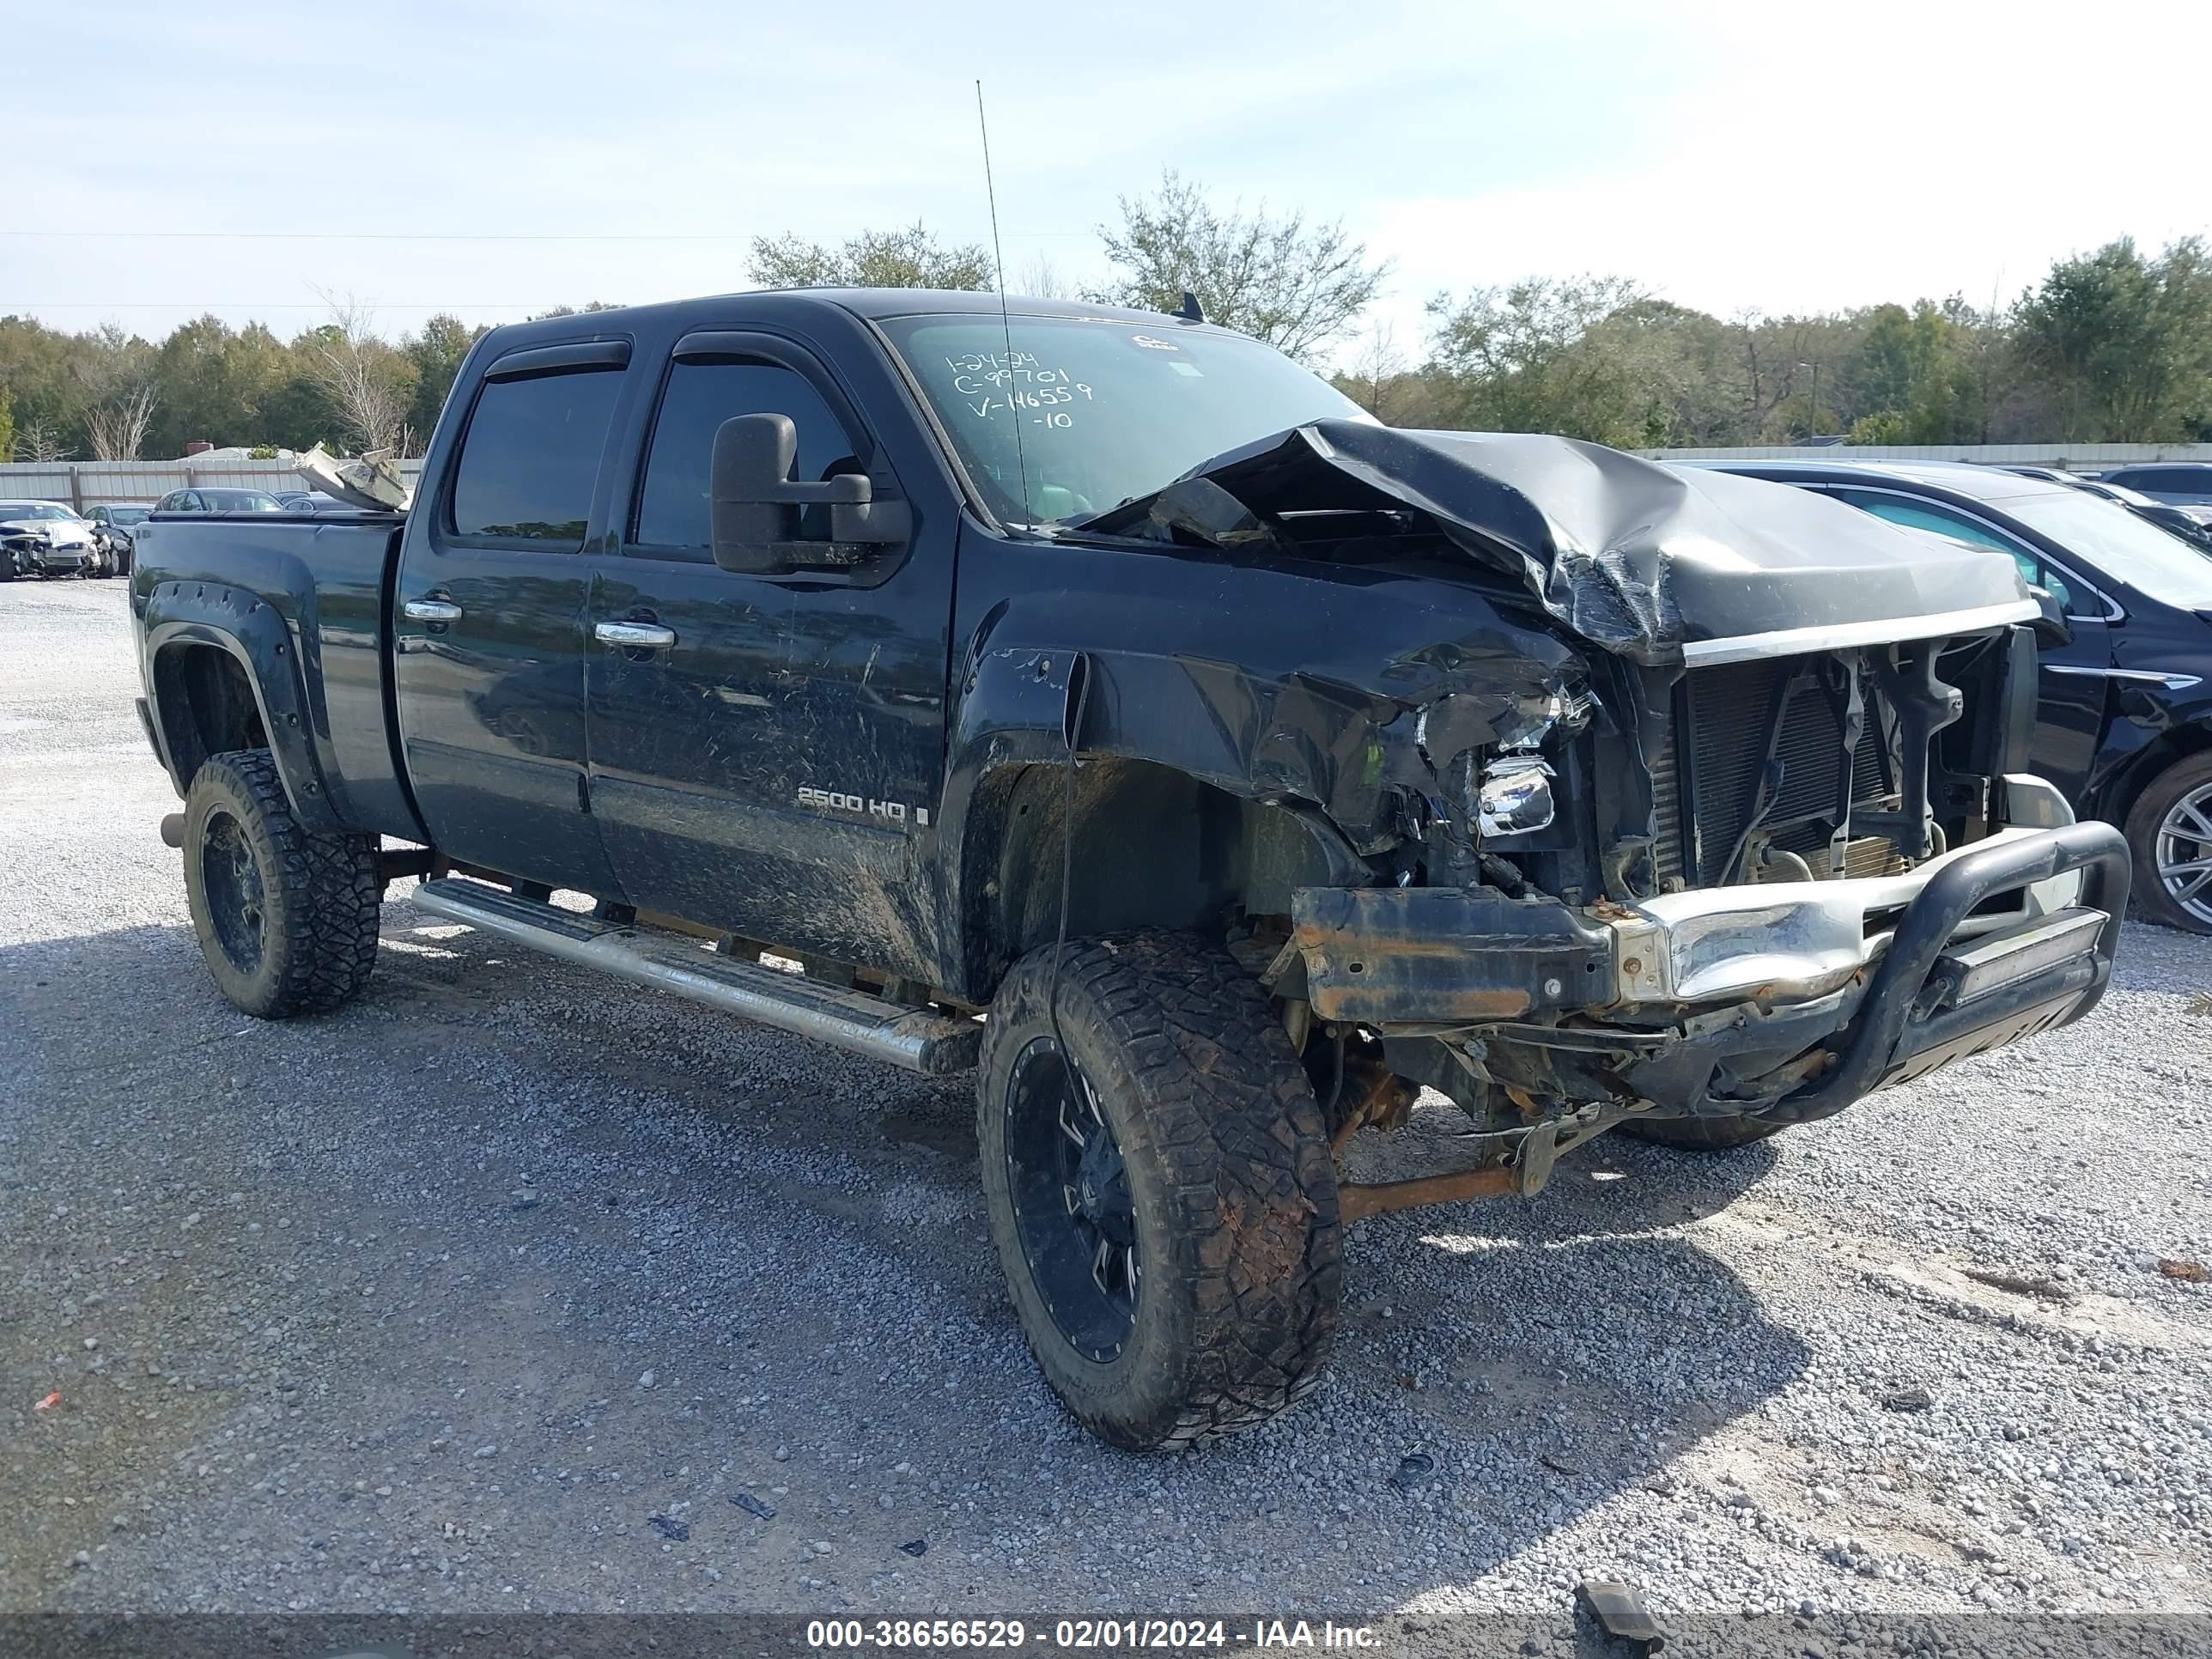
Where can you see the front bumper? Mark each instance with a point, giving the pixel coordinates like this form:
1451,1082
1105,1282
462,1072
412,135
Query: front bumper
1796,997
51,561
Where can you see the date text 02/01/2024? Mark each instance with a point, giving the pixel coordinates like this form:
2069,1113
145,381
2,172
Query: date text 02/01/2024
1086,1634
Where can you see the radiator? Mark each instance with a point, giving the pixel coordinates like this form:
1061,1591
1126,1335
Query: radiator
1705,787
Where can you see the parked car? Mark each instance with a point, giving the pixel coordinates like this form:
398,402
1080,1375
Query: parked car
2184,483
43,539
2192,524
1243,762
2124,725
201,499
309,501
113,525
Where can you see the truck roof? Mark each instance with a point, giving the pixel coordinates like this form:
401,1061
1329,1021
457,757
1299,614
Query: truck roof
872,303
1981,482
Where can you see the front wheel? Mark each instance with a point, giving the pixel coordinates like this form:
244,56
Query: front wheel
1160,1189
2170,833
287,920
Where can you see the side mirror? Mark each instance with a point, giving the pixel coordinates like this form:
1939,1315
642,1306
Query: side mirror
754,505
2051,627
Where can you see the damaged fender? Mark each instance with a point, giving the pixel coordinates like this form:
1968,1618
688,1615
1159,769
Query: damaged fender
1354,701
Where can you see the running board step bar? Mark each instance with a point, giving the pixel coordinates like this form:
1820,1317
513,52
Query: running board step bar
919,1039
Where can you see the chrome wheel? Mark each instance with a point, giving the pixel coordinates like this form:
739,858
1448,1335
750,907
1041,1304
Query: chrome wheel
2182,853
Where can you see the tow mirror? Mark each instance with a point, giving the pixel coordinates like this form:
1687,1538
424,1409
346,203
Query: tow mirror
755,507
2051,627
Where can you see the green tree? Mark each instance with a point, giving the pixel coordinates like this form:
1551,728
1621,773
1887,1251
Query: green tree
1888,427
911,258
38,366
214,384
1536,356
437,353
2125,342
1915,373
1299,287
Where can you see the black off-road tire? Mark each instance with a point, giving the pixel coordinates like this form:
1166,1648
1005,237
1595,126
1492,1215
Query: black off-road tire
286,920
1702,1134
2151,900
1230,1184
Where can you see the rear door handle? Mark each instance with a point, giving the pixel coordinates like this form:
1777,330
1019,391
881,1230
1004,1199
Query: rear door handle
635,635
431,610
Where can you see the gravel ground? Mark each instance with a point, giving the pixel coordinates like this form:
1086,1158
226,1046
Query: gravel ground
511,1288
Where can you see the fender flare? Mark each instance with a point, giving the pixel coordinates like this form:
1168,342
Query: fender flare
1017,710
254,634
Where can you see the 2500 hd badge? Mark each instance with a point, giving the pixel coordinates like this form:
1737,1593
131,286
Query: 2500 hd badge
838,800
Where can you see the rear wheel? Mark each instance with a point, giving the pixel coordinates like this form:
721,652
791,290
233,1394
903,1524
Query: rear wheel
1702,1134
2170,833
286,920
1160,1189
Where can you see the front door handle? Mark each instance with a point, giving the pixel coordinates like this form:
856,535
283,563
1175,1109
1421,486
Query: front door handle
635,636
431,610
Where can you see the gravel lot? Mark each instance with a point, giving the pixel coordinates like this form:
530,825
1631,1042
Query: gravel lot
502,1289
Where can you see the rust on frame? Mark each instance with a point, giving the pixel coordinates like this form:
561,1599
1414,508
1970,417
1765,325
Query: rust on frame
1355,1199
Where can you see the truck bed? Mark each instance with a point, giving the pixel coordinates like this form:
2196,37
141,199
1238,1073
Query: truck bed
328,575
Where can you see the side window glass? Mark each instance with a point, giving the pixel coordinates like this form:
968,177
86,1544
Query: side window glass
2036,574
530,457
2059,589
672,517
1921,515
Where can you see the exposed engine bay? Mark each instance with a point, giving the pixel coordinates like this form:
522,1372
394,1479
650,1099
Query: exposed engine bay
1636,848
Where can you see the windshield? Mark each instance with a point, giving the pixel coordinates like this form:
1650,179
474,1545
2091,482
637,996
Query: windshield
18,511
240,501
127,514
2132,549
1084,414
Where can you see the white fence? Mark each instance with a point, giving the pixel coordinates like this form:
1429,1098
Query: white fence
2075,458
85,484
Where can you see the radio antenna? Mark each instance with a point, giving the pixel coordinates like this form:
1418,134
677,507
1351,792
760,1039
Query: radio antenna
1005,322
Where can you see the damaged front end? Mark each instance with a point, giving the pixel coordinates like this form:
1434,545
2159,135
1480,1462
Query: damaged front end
1761,842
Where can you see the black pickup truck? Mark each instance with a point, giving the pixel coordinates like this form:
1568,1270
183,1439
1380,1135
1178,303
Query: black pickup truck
1098,700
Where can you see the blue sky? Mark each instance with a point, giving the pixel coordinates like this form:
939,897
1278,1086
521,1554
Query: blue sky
1732,156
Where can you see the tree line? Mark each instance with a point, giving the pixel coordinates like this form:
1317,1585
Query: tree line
2111,346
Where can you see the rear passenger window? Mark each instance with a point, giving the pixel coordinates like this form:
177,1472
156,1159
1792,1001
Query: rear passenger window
1918,515
673,518
530,457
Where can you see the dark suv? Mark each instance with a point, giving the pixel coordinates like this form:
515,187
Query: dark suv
2183,483
2125,724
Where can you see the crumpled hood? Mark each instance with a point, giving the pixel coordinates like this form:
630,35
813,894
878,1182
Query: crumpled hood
57,533
1656,563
